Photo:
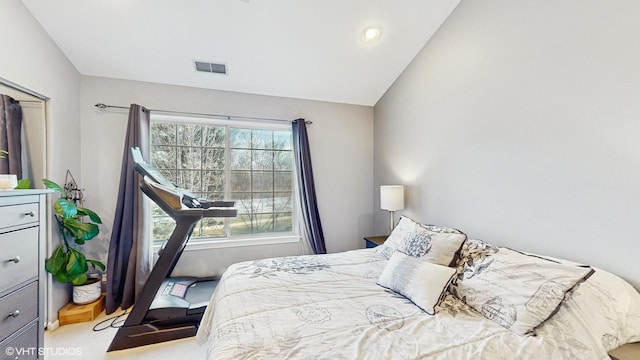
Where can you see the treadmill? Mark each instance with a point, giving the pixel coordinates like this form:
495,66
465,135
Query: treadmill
170,308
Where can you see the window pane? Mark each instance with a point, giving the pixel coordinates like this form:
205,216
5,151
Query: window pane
283,222
283,160
282,140
262,160
189,180
241,225
262,203
262,181
213,136
190,158
240,181
163,134
189,135
240,159
213,181
283,181
164,157
213,159
162,224
262,223
243,202
283,202
214,196
261,139
212,227
171,175
240,138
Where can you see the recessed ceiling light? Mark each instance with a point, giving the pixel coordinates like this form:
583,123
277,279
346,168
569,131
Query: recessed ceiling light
371,34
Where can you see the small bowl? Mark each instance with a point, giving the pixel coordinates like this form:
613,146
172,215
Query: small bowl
8,182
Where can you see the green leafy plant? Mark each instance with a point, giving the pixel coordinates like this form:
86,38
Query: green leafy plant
67,263
24,184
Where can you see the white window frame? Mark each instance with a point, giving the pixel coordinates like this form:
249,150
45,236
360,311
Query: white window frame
237,240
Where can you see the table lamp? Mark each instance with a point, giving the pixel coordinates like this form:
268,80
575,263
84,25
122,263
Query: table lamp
392,199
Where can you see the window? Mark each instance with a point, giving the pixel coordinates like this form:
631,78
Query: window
216,160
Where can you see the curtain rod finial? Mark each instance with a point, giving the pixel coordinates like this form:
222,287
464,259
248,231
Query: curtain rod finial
101,106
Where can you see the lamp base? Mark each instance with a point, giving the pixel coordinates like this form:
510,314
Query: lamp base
392,224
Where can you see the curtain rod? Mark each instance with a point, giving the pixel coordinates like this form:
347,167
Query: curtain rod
104,106
21,88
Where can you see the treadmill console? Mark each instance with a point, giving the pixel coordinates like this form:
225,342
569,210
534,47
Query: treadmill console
162,190
175,289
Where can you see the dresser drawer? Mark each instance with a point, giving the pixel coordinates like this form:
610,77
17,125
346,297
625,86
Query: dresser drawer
23,345
17,309
20,214
19,257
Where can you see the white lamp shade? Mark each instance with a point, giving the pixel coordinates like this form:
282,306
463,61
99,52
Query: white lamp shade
392,197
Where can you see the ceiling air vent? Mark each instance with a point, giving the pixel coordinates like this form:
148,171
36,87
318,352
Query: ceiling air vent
214,68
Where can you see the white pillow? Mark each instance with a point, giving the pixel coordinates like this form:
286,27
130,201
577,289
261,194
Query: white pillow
605,306
438,245
518,291
418,280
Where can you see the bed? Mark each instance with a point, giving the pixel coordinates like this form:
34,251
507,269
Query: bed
368,304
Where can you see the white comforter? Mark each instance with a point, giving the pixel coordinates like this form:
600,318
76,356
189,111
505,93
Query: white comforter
329,307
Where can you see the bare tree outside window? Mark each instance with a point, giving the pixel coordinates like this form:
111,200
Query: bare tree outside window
254,167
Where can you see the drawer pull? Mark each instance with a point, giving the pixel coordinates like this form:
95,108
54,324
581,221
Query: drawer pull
15,259
30,213
14,314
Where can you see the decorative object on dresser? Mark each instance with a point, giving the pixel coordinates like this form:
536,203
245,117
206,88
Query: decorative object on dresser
67,262
392,199
23,217
8,181
373,241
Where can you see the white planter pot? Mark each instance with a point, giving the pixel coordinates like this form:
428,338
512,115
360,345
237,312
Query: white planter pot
87,293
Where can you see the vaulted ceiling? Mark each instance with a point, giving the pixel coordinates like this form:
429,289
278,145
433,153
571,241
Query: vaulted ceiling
309,49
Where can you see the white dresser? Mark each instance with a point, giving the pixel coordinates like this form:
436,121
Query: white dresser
23,218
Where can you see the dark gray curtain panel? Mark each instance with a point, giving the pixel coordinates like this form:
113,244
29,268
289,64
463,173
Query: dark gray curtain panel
128,263
307,188
10,136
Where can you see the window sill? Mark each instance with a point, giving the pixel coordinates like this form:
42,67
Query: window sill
238,242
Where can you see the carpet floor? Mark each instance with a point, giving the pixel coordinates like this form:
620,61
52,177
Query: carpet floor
80,341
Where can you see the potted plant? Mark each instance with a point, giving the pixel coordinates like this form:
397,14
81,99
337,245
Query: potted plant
67,262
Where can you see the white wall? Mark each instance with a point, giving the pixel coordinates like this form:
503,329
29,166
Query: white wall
341,139
31,59
519,123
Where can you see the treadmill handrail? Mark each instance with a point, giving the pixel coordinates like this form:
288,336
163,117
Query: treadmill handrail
161,195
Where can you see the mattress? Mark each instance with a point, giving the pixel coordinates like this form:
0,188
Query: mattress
330,307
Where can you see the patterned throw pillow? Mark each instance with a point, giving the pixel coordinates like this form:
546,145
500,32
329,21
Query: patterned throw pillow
418,280
472,255
436,244
518,291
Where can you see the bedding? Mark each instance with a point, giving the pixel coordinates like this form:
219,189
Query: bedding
330,307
